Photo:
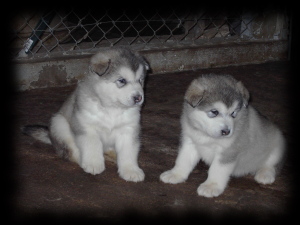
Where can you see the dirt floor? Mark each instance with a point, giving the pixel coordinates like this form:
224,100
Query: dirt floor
46,186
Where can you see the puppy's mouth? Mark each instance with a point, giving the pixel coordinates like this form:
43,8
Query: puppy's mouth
225,133
133,101
138,99
220,134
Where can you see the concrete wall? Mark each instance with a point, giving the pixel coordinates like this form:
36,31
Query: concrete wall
67,70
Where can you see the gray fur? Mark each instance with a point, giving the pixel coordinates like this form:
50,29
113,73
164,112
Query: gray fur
255,136
103,113
39,132
210,88
222,129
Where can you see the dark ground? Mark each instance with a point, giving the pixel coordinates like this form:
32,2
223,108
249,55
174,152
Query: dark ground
48,187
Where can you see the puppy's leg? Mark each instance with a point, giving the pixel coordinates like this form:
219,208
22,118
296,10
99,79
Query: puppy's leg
62,138
91,150
266,173
127,148
186,160
218,176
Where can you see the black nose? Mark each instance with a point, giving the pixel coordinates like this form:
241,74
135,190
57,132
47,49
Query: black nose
225,132
137,98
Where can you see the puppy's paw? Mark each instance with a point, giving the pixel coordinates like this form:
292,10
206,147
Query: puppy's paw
265,176
132,174
93,168
172,177
209,189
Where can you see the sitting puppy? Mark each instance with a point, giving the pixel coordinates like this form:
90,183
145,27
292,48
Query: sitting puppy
102,114
219,127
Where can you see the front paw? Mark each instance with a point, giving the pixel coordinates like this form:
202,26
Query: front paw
265,176
209,189
172,177
132,174
93,167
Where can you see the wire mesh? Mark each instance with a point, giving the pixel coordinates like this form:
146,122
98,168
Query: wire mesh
40,34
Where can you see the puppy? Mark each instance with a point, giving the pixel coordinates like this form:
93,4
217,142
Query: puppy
102,114
220,128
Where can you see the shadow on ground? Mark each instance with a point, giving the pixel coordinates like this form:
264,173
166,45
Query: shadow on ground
47,186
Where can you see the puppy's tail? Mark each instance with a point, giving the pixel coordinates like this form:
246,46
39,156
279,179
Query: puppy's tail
38,132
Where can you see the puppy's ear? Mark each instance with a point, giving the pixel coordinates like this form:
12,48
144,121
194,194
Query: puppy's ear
145,63
142,60
194,94
100,68
244,92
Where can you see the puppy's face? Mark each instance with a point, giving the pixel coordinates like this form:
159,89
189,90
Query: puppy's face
217,120
121,76
126,86
215,103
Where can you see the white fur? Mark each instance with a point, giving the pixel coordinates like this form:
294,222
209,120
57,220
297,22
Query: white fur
214,126
100,116
201,140
198,145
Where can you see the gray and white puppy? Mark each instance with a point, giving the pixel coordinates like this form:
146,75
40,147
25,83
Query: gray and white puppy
220,128
102,114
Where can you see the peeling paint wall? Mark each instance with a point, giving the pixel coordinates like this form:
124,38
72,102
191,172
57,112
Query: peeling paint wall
68,71
193,58
49,74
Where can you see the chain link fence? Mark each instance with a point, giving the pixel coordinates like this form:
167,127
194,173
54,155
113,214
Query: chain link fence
36,34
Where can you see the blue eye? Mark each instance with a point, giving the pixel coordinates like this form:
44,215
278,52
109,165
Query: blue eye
122,81
213,113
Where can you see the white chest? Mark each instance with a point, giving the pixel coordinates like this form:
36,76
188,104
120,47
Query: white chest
208,148
108,122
